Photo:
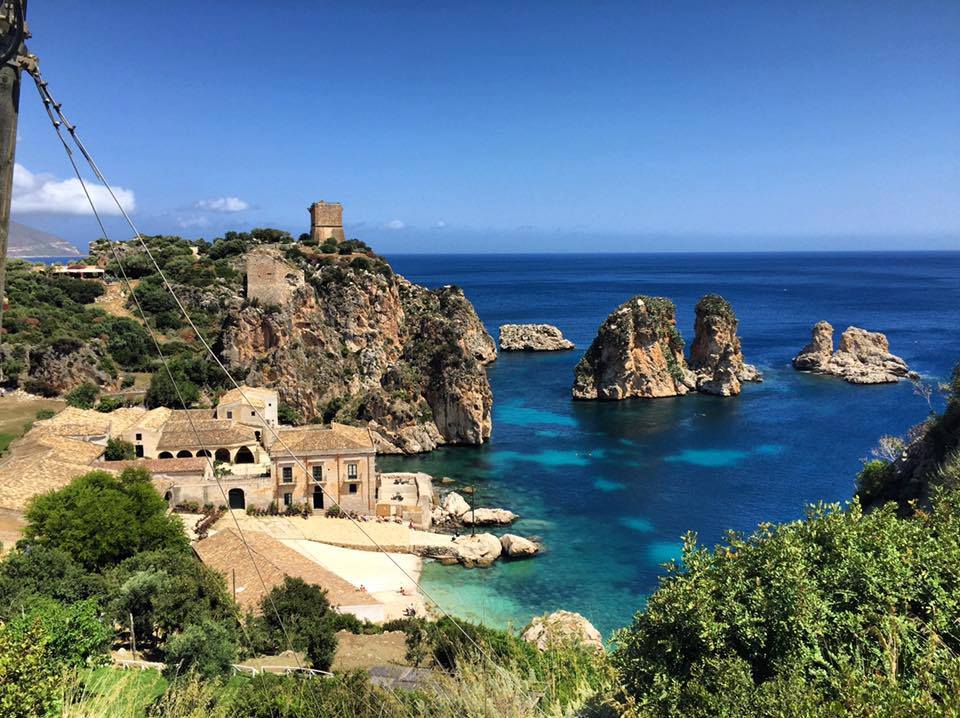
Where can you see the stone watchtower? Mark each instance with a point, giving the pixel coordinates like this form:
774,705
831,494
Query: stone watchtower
326,221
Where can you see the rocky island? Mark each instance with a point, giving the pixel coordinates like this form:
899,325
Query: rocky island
861,357
533,338
639,352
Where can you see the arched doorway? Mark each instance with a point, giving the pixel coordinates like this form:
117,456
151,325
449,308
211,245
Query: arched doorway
168,497
244,456
222,455
203,453
317,497
235,497
184,454
164,455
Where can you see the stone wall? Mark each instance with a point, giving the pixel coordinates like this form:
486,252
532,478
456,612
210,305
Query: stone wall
326,221
270,279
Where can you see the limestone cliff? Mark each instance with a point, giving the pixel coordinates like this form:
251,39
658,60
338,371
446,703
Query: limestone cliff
638,352
715,356
862,357
358,343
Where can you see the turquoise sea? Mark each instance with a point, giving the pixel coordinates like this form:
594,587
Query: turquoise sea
611,487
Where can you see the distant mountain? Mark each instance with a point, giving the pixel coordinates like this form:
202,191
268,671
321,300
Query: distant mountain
29,242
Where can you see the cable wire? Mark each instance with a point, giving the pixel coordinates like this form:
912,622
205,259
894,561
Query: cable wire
72,130
163,359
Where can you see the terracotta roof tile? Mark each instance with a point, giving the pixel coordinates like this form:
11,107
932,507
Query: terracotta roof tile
224,552
316,438
255,396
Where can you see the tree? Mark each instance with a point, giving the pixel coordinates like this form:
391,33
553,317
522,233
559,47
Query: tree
306,620
129,344
83,396
42,572
163,392
208,648
100,519
286,414
166,591
119,450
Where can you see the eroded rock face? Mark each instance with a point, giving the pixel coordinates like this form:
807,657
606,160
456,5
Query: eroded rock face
478,551
862,357
638,352
816,355
715,356
561,628
363,346
65,365
532,338
454,504
517,546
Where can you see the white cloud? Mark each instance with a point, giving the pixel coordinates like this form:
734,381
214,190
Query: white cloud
43,193
222,204
439,224
192,222
395,224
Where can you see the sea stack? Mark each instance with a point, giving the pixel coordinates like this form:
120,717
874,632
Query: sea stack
533,338
862,357
715,356
638,352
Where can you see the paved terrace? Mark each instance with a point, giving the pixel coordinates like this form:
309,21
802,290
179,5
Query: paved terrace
393,537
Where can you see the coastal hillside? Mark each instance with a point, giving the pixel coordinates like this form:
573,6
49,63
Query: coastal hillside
333,328
29,242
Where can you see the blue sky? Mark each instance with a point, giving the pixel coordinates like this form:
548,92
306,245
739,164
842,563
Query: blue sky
533,126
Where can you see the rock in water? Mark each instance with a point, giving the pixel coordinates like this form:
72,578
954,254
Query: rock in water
862,357
638,352
561,628
357,343
816,355
517,546
715,356
488,517
532,338
454,504
478,551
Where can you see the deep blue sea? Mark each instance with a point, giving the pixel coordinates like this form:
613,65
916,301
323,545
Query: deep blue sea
611,487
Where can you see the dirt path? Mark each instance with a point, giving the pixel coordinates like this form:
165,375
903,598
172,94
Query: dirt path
114,300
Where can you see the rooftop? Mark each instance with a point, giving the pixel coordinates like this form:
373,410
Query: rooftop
334,437
251,395
225,552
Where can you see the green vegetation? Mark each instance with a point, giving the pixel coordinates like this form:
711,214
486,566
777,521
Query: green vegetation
100,519
715,305
119,450
84,396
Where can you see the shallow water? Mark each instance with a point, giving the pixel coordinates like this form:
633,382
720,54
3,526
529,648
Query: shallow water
612,487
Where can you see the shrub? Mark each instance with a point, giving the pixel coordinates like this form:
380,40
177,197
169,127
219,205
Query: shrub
163,392
29,677
207,648
286,414
76,632
45,414
839,610
119,450
84,396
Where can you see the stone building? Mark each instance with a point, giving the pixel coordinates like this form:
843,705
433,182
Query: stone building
253,406
326,221
316,464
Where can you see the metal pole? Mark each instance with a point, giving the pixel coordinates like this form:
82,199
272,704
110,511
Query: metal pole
9,114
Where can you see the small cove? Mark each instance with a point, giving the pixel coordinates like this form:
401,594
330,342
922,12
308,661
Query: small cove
611,488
